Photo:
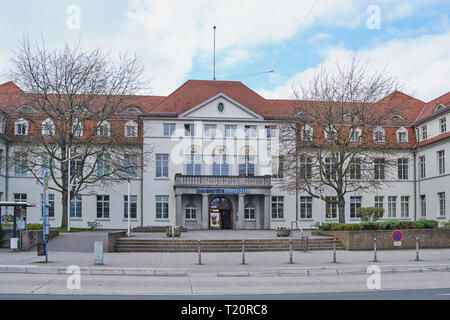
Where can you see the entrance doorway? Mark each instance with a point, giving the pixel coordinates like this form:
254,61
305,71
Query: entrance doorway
222,206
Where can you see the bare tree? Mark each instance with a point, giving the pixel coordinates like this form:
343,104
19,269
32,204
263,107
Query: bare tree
340,135
74,100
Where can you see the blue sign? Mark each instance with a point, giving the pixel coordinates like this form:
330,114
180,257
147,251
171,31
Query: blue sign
397,235
224,191
45,222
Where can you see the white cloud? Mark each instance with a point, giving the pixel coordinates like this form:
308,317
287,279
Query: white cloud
421,64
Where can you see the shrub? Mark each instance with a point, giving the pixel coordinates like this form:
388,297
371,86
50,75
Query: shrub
368,225
370,213
352,227
34,226
418,225
445,224
389,225
430,224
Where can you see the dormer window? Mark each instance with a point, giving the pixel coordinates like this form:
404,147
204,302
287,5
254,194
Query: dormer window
48,128
330,133
21,127
439,107
356,135
26,109
131,110
397,118
131,129
80,109
77,128
402,135
378,134
103,129
306,133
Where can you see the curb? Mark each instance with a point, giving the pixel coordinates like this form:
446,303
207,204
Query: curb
313,271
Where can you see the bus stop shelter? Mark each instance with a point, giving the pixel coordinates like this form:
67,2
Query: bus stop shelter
11,225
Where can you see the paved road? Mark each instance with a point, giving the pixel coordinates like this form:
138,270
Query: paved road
77,241
347,286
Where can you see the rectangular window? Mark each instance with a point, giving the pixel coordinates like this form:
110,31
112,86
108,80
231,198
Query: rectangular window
404,206
131,165
330,168
403,137
305,168
402,168
210,130
103,207
306,207
169,129
162,207
193,165
249,211
250,131
133,207
441,161
191,213
20,165
379,168
277,167
247,166
189,130
379,201
355,169
103,165
355,202
46,164
230,131
392,206
51,202
422,167
220,165
162,165
331,208
277,207
20,197
76,207
423,206
356,136
270,131
443,125
441,204
424,132
75,165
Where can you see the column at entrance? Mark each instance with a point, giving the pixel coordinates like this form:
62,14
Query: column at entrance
178,210
205,211
241,214
267,212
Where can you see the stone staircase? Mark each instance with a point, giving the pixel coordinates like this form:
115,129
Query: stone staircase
251,245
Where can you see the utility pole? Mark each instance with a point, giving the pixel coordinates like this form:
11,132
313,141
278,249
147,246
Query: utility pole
214,63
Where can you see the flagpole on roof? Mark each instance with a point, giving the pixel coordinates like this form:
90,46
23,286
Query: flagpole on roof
214,63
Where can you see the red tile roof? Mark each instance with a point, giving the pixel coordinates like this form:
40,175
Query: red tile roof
428,111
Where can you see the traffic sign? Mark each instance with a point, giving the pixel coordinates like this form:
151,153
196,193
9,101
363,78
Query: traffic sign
397,235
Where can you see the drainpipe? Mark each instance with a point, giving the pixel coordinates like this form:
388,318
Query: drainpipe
415,185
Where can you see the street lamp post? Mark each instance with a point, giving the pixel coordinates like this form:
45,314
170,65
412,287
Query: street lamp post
69,187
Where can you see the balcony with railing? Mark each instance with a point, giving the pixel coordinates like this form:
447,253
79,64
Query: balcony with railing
222,181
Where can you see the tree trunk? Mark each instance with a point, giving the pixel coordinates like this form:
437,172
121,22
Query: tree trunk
341,205
64,210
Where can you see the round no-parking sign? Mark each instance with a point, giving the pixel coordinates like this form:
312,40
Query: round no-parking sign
397,235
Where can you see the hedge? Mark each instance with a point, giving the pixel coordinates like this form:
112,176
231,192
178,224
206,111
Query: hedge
385,225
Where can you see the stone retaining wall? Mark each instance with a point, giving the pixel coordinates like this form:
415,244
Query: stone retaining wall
363,240
112,238
30,238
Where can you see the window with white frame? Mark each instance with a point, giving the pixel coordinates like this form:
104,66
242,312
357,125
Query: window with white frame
133,207
355,135
47,164
355,169
306,207
277,167
131,165
277,207
131,129
103,207
402,165
77,128
305,167
103,165
331,208
76,206
306,133
355,203
230,131
443,125
330,168
250,131
20,197
21,127
162,165
20,164
48,128
379,135
379,169
103,129
220,161
404,206
422,167
424,132
402,135
162,207
441,196
169,129
441,161
249,211
392,206
189,130
191,212
193,161
330,133
423,206
51,203
379,201
210,130
247,162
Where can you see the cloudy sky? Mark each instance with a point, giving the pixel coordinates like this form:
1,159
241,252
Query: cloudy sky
289,38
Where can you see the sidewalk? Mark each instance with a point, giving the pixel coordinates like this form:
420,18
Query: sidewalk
227,264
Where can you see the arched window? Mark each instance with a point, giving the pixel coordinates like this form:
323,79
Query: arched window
379,134
26,109
103,129
220,163
21,127
402,135
48,127
193,161
306,133
131,129
77,128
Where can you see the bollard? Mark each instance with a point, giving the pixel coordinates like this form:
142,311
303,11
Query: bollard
334,250
375,250
290,251
304,243
417,249
199,253
243,251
